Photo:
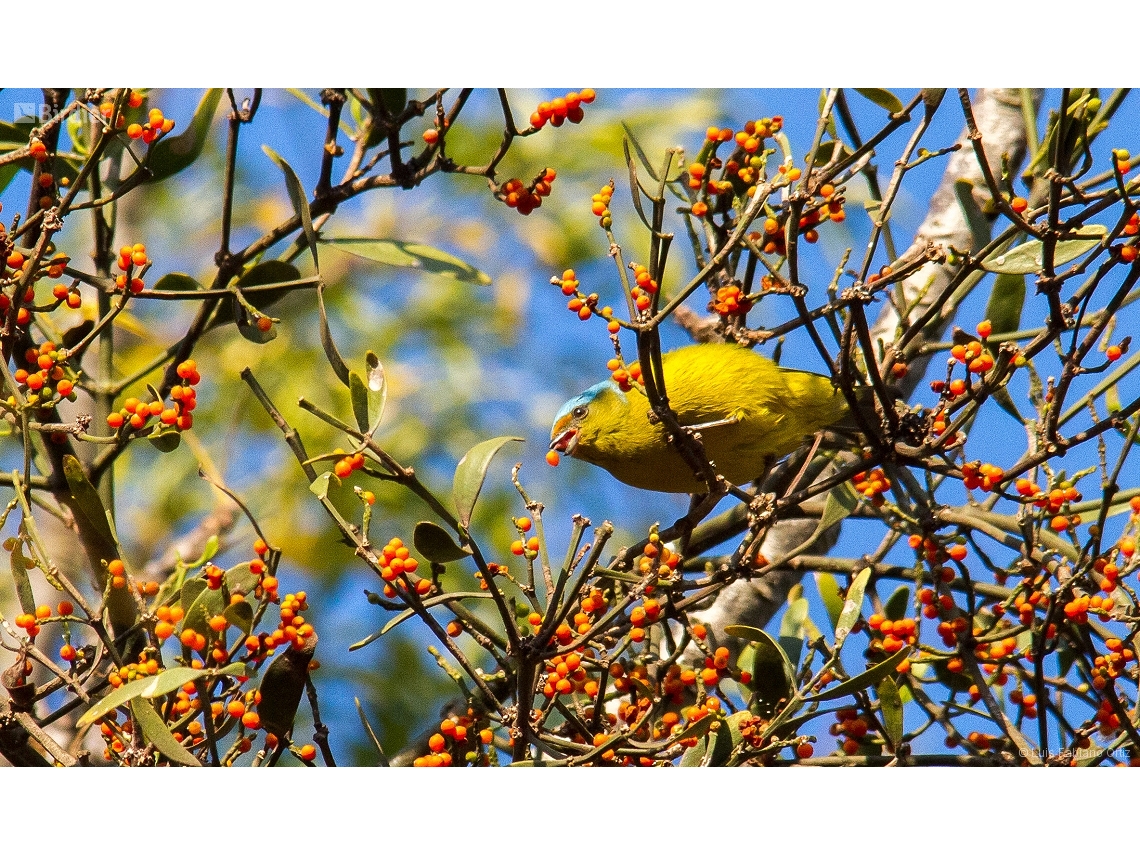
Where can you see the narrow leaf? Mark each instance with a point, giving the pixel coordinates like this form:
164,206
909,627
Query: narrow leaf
975,219
852,607
359,395
300,200
1027,258
471,471
407,613
871,677
829,592
773,676
336,361
398,253
320,485
154,687
240,614
884,98
896,606
383,761
1006,301
170,155
792,629
891,708
377,384
266,273
841,502
87,500
165,439
23,584
638,150
155,731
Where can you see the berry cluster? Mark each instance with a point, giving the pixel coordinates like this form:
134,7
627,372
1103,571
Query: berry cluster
565,109
585,306
398,570
623,376
872,485
731,300
644,287
47,378
853,729
347,464
156,125
896,633
600,205
132,260
982,476
525,198
136,414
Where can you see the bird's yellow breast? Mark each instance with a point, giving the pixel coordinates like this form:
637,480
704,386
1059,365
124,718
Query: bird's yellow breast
767,412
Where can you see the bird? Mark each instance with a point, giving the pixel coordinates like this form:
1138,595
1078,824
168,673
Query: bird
749,413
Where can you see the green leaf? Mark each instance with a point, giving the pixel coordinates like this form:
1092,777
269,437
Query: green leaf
154,687
190,591
164,438
207,604
383,760
718,744
471,471
377,383
398,253
332,354
792,629
884,98
829,592
320,485
826,151
852,606
240,614
266,273
77,333
639,151
170,155
241,580
891,708
975,219
841,502
896,606
23,584
1027,258
1003,310
435,544
208,552
300,200
88,502
871,677
178,282
358,392
155,731
773,676
407,613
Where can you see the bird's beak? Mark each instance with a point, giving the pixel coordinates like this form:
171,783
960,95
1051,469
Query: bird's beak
566,441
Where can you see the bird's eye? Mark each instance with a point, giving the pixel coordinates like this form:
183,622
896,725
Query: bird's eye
578,412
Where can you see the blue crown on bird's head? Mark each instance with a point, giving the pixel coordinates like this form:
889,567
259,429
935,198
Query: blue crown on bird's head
586,398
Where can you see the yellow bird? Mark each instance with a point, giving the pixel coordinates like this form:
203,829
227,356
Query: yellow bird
749,411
